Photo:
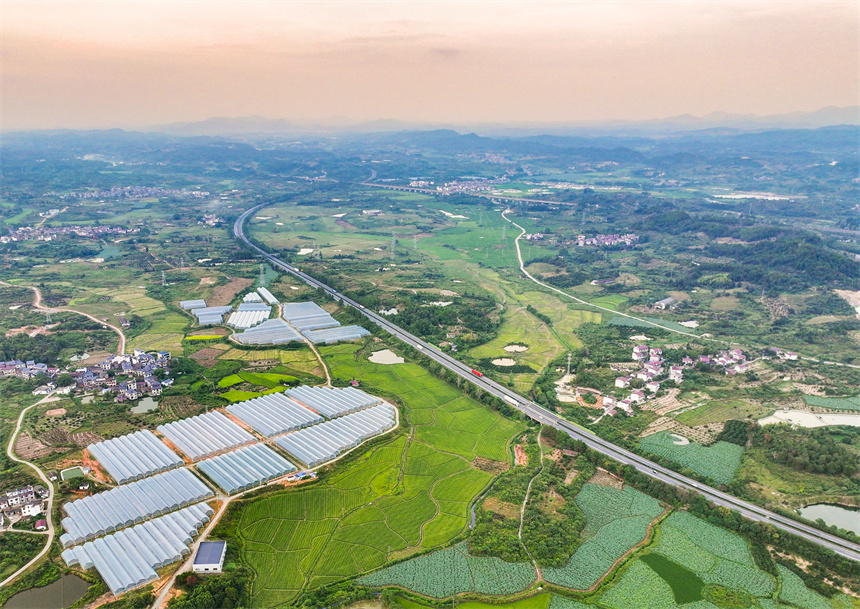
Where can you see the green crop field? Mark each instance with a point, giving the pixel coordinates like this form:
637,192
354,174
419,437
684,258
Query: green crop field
715,555
850,403
718,462
453,571
795,592
718,411
616,520
393,501
644,323
610,301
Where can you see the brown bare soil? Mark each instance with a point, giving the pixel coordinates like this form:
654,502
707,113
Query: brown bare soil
520,456
29,448
223,294
571,476
179,406
552,502
345,224
61,437
555,455
55,412
206,356
488,465
508,510
604,478
95,469
208,281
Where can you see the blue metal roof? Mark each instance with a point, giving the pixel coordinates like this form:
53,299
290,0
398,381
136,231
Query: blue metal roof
210,552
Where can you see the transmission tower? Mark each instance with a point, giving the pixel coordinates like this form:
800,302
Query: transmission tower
415,242
182,263
393,239
163,279
569,355
503,231
48,318
262,279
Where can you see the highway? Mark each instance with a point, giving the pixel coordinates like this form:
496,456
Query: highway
546,417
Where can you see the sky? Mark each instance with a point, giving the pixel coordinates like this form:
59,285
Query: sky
117,63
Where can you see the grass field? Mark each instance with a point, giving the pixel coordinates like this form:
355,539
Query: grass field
392,501
718,462
717,411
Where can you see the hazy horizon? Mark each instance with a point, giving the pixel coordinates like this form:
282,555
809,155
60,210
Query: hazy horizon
139,64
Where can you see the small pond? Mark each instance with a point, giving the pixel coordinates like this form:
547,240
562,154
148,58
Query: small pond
842,517
57,595
145,405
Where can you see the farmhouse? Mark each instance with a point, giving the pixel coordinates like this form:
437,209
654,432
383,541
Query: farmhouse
210,557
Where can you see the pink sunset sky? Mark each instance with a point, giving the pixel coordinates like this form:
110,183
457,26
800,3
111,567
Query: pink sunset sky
130,64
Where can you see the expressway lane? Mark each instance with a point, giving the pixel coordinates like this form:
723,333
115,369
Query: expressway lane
546,417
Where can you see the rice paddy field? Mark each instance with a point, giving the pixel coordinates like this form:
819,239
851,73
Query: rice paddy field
402,496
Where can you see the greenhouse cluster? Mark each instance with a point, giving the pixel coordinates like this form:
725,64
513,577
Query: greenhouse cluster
332,402
129,558
307,316
334,335
134,456
321,443
129,504
270,332
245,468
273,414
205,434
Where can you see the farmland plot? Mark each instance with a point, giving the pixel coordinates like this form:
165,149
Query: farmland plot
718,462
453,571
616,520
716,555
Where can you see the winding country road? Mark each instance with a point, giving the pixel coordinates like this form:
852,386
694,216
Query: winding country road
37,303
10,452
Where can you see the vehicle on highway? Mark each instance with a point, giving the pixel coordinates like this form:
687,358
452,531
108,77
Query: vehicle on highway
476,373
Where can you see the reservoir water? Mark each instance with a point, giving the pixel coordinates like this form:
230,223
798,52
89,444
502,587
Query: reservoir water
842,517
147,404
57,595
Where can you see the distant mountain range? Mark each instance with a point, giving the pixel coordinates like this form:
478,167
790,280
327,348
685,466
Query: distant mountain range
716,122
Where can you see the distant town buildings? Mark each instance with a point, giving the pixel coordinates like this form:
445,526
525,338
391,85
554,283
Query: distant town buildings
474,185
607,240
48,233
132,192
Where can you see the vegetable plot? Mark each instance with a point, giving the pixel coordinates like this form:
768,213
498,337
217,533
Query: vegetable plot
718,462
452,571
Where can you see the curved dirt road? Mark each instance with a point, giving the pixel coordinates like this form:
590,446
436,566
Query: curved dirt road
37,303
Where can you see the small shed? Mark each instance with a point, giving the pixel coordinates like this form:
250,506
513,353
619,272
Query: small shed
41,525
210,557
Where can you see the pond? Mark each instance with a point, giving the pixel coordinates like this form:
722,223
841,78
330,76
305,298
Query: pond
145,405
57,595
842,517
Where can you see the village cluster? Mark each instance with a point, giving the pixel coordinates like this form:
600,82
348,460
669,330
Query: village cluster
131,192
50,233
733,361
607,240
139,368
